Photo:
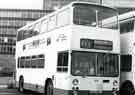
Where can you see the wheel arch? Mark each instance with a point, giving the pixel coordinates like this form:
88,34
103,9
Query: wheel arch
126,82
46,83
21,76
21,84
48,80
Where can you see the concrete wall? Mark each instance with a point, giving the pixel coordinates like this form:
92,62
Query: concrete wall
120,3
49,4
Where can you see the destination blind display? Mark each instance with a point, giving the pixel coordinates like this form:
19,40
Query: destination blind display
96,44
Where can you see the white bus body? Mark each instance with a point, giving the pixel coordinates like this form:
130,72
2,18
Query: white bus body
70,54
127,38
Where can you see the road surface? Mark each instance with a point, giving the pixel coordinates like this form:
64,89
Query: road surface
6,91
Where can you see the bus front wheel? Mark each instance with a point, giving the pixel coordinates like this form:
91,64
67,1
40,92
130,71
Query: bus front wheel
49,88
21,83
127,89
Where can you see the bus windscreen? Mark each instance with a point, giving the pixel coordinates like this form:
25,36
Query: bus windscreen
94,64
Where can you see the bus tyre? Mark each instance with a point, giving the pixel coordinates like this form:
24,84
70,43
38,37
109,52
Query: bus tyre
49,88
21,83
127,89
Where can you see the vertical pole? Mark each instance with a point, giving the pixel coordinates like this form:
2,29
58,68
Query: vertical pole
96,18
100,2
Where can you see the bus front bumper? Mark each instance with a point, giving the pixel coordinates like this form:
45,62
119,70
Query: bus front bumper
86,92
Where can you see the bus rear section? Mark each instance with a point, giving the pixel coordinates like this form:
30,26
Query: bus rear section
127,63
127,39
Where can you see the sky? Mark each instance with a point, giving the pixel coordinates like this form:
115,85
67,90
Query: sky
21,4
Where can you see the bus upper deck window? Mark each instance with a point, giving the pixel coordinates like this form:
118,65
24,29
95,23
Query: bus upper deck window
95,16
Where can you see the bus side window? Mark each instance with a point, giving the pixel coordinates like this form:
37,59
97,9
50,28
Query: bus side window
22,62
126,63
127,26
20,35
44,26
34,62
52,22
63,17
62,63
37,27
27,62
41,61
18,65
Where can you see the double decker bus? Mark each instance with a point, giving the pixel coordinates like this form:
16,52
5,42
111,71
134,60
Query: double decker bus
70,52
127,39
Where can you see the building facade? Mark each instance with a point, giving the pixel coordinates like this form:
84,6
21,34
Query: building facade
121,5
52,4
10,21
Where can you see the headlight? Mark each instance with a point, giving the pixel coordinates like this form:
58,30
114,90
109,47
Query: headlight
75,82
115,83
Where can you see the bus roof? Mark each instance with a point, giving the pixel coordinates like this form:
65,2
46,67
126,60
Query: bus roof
126,16
122,18
91,3
71,4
